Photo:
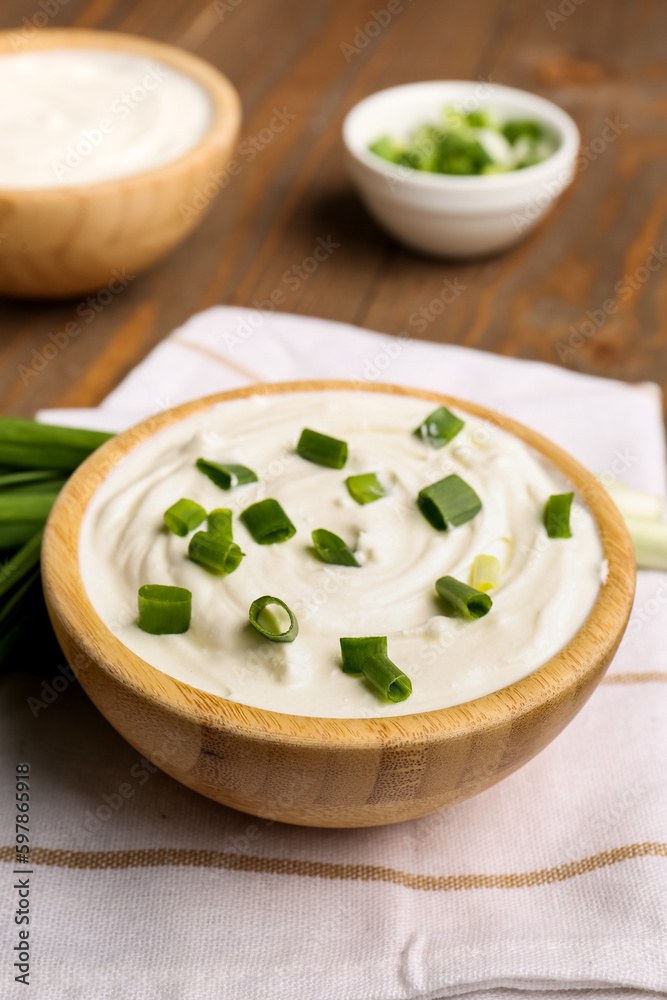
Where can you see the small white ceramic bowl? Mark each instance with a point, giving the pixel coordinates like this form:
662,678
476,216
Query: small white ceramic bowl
444,214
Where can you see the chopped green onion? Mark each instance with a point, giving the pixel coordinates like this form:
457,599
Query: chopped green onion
164,610
216,553
557,515
649,539
220,522
485,573
184,516
356,650
267,522
449,501
226,476
387,678
27,444
322,449
332,549
461,599
273,619
440,427
365,488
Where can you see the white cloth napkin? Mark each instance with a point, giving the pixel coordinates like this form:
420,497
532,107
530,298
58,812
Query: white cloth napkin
553,881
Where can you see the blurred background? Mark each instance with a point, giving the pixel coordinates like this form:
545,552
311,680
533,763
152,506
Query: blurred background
299,66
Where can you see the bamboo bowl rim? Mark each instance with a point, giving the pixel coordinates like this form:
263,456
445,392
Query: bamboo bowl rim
575,665
224,98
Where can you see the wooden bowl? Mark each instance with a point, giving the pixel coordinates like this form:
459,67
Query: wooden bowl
328,772
66,241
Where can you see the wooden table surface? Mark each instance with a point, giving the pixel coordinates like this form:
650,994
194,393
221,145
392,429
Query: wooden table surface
600,60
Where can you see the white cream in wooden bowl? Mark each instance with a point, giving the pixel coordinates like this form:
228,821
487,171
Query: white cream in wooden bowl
79,116
546,591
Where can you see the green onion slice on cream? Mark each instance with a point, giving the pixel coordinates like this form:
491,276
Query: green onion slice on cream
273,619
332,549
365,488
557,515
486,572
462,600
449,501
440,427
216,553
184,516
226,476
164,610
267,522
367,655
322,449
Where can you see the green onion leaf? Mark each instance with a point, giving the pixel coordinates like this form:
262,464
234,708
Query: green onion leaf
462,600
440,427
365,488
216,553
557,515
19,506
485,573
164,610
21,564
449,501
184,516
22,514
356,650
226,476
322,449
220,523
27,444
273,619
10,480
387,679
267,522
332,549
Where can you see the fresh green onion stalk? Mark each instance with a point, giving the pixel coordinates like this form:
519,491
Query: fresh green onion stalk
35,460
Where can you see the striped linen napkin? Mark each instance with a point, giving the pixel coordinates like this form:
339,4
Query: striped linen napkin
553,883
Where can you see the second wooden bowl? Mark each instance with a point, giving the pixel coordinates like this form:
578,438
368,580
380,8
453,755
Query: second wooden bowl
66,241
318,771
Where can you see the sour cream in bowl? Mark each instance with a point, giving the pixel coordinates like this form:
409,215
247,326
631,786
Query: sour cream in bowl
107,142
248,717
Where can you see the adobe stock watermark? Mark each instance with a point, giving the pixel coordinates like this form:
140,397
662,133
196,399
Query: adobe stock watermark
624,288
224,7
30,26
92,137
566,8
249,148
375,368
535,207
643,613
365,33
290,281
87,311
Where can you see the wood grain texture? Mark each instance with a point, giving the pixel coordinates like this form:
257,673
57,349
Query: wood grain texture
604,60
60,242
328,772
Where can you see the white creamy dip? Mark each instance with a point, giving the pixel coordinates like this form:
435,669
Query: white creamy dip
546,591
81,116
